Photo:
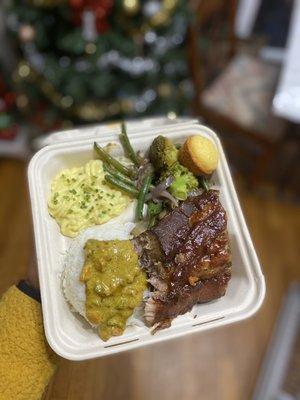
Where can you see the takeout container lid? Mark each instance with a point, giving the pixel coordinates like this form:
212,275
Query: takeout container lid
67,333
93,131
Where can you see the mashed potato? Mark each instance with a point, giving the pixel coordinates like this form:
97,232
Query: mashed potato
80,198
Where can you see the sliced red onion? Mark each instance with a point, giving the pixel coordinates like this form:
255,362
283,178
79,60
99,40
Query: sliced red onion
160,192
156,192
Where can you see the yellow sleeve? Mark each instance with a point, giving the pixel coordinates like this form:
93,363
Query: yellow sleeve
26,361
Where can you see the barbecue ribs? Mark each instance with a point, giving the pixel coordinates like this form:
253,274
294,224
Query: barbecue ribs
187,258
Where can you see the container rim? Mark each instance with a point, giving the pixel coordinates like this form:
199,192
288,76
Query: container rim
257,281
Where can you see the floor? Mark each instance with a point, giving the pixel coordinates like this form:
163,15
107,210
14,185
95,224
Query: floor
219,365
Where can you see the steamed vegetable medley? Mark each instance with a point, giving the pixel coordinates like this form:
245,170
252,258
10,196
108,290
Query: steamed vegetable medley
100,190
164,175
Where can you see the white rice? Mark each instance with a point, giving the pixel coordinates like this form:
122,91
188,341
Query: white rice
74,291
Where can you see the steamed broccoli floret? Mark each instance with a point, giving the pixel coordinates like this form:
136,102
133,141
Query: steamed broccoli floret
184,181
163,154
154,209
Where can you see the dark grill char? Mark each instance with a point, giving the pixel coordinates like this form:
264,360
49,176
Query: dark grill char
187,257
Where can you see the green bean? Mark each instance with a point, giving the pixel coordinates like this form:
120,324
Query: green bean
118,175
142,195
124,139
104,156
121,185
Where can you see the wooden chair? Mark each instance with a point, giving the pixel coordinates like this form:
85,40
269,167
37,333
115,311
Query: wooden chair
206,11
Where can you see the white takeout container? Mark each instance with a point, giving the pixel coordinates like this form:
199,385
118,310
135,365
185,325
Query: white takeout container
67,333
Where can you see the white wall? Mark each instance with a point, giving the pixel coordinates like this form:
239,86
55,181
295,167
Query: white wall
246,15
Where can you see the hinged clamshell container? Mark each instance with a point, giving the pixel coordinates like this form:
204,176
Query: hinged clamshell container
67,333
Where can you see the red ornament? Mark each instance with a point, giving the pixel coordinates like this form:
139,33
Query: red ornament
7,104
7,99
100,8
42,122
9,133
2,86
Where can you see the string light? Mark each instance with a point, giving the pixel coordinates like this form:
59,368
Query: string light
24,70
90,48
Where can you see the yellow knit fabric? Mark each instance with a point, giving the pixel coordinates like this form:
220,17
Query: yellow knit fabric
26,361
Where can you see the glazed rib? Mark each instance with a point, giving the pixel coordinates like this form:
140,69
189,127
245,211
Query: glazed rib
187,257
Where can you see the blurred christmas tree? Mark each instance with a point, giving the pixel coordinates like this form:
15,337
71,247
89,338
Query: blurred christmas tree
92,60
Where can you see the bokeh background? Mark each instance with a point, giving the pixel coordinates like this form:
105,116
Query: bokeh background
231,64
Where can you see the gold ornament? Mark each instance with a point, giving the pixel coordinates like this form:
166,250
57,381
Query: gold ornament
170,5
163,16
26,33
131,7
66,101
22,101
160,18
23,70
90,48
49,90
126,105
164,90
90,111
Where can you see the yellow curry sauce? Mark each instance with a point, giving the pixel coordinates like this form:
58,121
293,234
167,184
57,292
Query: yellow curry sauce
114,284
